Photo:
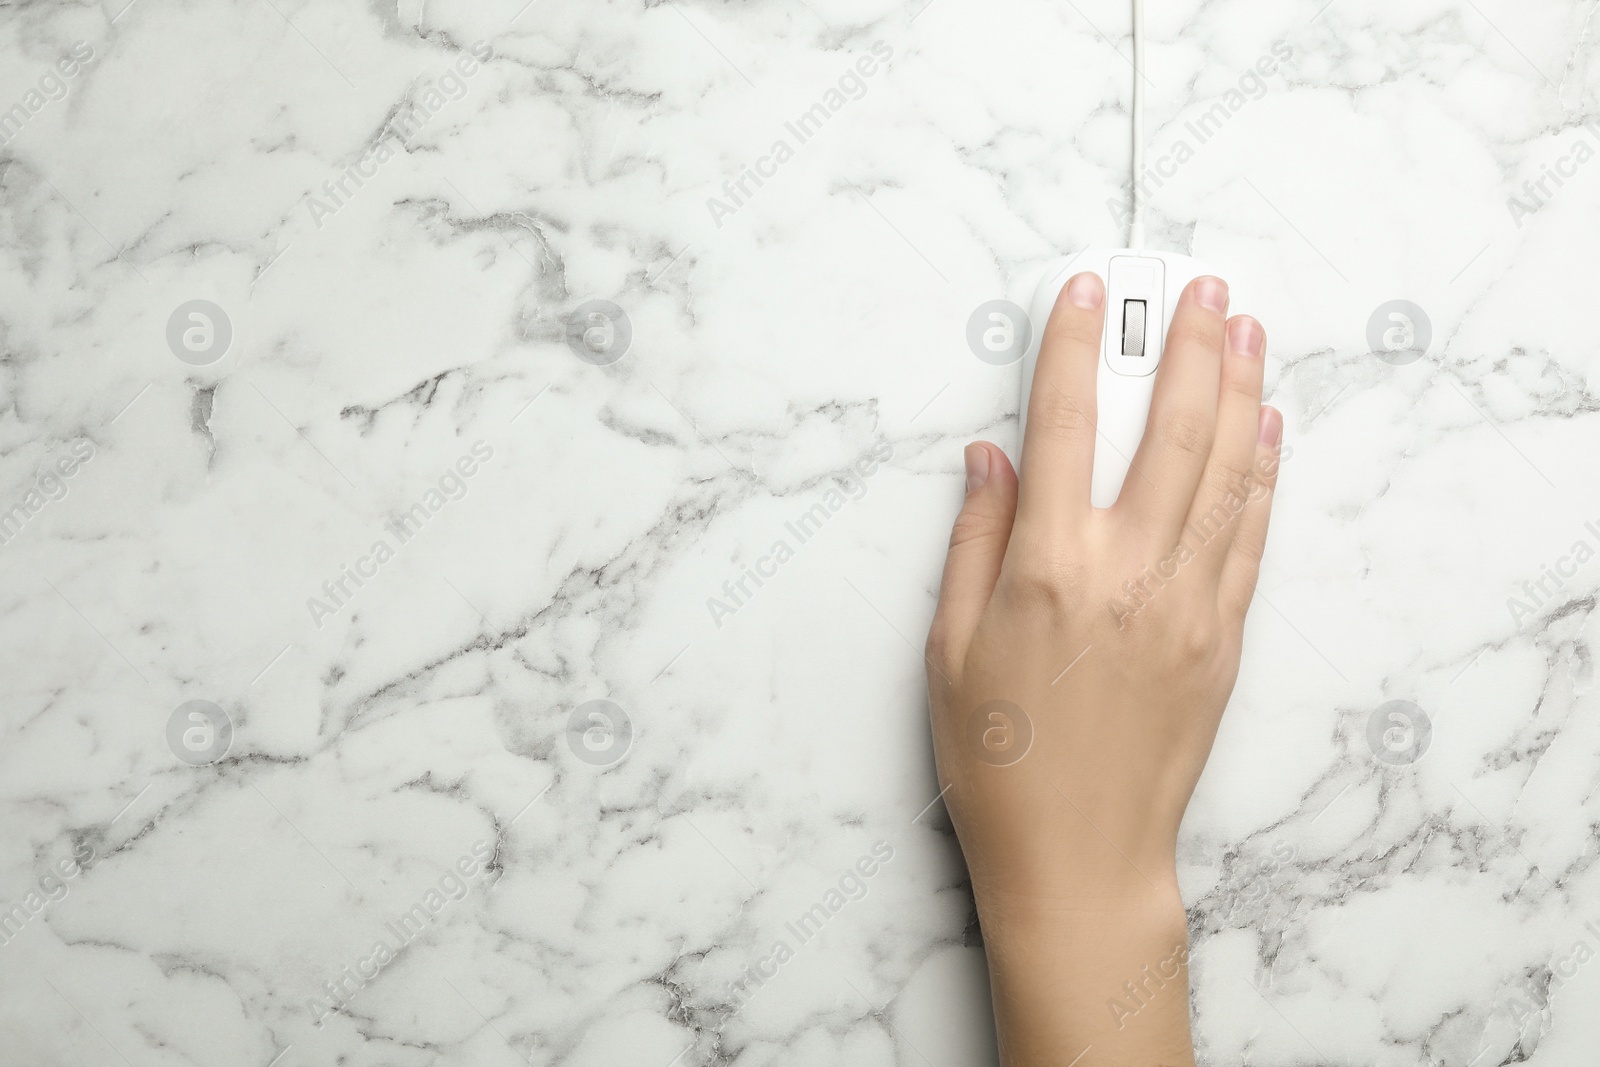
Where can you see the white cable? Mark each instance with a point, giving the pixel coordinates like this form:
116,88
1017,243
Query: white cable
1136,203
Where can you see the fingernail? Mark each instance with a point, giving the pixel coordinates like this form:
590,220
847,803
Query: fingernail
977,466
1086,290
1212,293
1271,427
1246,337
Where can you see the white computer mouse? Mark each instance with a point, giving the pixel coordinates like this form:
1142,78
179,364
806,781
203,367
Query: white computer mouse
1142,288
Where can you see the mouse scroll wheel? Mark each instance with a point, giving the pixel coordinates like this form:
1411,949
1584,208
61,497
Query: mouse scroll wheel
1133,327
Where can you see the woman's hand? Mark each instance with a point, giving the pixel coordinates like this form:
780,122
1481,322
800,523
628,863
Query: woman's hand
1078,666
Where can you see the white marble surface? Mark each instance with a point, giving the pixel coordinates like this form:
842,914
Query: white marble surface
1344,911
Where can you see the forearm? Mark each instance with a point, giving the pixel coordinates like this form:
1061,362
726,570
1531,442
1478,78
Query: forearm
1107,984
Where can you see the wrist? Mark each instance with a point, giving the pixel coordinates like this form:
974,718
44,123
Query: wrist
1061,917
1105,976
1057,897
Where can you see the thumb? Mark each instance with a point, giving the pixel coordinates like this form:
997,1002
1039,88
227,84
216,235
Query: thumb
977,548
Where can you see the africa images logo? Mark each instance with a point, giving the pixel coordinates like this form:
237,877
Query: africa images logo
52,86
852,485
1553,577
394,138
851,85
852,885
1537,192
451,485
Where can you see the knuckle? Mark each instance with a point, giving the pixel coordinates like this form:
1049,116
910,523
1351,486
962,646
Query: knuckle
1072,329
1197,332
1178,631
1186,433
1227,483
1213,522
1194,639
1245,387
970,527
1236,605
1064,417
1251,544
1049,583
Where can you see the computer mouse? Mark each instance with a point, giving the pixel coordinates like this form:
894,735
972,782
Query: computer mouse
1142,289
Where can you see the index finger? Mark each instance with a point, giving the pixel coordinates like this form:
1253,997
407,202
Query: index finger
1058,445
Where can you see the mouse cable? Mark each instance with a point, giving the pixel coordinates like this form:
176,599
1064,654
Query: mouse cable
1136,203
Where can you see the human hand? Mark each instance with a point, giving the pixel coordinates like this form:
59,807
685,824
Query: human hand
1080,660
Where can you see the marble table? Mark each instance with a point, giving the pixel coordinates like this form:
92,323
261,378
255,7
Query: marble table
476,474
